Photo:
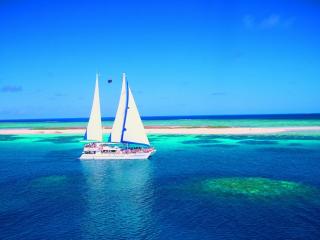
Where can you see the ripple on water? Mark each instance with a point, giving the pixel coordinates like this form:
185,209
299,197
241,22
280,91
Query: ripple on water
292,150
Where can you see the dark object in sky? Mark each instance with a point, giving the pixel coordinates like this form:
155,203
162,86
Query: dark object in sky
110,81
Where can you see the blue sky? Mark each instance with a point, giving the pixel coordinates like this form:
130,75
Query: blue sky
181,57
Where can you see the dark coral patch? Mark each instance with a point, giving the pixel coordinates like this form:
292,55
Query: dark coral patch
258,142
5,138
220,145
204,141
62,139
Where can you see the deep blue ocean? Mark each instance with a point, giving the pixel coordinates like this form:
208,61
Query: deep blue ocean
194,187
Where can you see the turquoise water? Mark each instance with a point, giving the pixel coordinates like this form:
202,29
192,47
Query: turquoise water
212,121
182,122
194,187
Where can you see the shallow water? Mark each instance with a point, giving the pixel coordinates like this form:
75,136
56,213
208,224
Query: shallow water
46,193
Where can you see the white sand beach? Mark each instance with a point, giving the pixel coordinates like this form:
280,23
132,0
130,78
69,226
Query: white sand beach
172,130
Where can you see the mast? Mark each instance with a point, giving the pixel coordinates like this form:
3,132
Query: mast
126,106
94,128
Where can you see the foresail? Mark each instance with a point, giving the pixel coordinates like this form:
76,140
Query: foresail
133,128
116,133
127,126
94,128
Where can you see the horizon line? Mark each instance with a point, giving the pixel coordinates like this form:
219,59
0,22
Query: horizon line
170,116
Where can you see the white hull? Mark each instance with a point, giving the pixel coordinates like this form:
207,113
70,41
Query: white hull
115,156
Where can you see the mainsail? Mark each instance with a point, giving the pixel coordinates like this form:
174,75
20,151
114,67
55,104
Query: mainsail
128,127
94,128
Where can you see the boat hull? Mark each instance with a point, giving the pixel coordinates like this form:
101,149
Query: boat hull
115,156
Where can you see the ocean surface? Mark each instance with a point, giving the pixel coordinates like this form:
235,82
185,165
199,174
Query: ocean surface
194,187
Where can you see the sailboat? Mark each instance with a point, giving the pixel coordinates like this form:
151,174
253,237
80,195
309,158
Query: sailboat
127,140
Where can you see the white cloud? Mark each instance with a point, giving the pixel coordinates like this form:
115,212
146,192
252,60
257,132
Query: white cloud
289,22
11,88
249,21
268,22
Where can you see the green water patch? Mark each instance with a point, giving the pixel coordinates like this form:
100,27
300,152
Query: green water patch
208,137
61,139
200,141
168,135
219,145
7,138
48,182
295,144
155,139
258,142
255,188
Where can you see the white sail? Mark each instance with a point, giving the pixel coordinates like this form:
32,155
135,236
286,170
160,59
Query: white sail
116,133
128,127
134,130
94,128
